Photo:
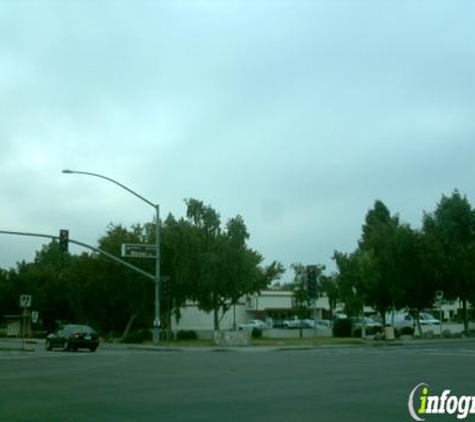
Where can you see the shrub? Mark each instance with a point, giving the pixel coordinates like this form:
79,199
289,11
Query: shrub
342,327
408,331
447,333
137,336
369,331
186,335
256,333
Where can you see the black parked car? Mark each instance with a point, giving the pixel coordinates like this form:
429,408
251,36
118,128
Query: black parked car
73,337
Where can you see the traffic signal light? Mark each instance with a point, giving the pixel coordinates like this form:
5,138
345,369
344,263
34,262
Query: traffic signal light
312,281
63,240
165,287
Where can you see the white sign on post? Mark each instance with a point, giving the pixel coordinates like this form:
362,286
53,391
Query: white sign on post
25,301
139,251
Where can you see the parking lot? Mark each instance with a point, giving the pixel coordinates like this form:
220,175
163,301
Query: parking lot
250,384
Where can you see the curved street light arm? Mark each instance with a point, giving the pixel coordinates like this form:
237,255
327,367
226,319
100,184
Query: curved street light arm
67,171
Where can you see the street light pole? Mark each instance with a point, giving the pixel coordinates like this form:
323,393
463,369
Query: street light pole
156,320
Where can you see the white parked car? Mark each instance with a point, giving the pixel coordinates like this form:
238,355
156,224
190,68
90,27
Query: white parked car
401,321
294,323
320,323
371,326
254,323
306,323
322,327
428,319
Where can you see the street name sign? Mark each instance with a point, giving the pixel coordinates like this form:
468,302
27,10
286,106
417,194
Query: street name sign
138,251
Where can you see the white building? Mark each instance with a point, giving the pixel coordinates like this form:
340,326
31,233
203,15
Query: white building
272,306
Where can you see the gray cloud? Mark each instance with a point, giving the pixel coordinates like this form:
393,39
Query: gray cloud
295,114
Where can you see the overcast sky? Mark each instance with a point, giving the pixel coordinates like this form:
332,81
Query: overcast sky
297,115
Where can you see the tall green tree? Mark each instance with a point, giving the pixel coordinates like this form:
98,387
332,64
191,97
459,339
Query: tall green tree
382,273
300,294
351,284
414,255
119,296
452,226
46,279
9,293
179,261
223,267
329,288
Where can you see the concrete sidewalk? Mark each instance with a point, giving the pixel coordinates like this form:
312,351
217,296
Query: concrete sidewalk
283,347
36,344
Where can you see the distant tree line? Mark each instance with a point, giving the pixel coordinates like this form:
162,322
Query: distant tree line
210,263
398,267
202,260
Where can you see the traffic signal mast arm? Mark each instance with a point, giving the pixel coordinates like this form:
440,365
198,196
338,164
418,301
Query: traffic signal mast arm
84,245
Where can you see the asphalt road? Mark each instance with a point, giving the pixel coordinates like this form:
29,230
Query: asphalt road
327,384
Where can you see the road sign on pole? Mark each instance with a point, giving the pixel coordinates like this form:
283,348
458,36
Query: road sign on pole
25,301
439,295
138,251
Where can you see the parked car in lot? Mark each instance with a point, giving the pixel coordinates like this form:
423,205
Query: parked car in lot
306,323
404,323
319,323
371,326
294,323
253,323
426,318
73,337
322,327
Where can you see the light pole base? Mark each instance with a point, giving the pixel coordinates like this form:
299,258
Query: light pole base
156,335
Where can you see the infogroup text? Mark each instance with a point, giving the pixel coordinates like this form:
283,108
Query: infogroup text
422,403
